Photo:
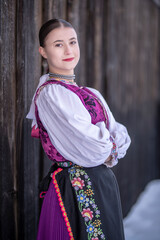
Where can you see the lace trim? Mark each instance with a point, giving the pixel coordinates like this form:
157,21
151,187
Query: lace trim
61,204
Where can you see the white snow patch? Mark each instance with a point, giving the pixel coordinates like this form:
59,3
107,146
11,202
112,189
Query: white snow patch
143,220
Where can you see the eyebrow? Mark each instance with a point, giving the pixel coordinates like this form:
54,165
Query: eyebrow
62,40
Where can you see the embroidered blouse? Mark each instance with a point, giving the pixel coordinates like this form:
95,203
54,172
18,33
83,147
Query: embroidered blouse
71,130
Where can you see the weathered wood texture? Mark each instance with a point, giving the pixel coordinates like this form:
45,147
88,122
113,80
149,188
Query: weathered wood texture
8,186
20,160
120,56
29,18
132,72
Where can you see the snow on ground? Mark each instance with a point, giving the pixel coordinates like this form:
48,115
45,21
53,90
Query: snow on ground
143,221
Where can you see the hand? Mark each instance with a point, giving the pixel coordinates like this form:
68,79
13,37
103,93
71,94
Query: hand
108,159
109,162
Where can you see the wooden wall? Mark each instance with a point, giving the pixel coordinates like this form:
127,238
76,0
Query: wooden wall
133,77
120,56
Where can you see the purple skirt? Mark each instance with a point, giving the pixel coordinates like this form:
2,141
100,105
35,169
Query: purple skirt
51,224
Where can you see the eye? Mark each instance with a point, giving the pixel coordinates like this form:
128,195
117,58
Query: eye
73,42
58,45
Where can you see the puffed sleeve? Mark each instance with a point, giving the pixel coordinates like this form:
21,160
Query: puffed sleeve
116,129
69,127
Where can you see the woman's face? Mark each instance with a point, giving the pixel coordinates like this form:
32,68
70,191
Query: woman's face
61,50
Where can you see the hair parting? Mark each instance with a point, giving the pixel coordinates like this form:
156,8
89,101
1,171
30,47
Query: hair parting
49,26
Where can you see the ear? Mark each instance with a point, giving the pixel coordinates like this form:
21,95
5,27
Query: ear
42,52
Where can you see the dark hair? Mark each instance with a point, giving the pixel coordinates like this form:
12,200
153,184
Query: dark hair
49,26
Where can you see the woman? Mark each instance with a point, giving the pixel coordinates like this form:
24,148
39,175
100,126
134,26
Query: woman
80,135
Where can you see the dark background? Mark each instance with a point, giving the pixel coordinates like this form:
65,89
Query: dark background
120,56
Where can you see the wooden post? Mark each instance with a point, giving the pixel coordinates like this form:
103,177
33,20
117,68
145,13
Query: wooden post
8,184
28,70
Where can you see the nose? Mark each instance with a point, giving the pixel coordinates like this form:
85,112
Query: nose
67,49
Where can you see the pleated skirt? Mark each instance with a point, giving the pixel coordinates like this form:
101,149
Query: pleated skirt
81,204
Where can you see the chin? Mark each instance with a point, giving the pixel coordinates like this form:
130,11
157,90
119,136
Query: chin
70,68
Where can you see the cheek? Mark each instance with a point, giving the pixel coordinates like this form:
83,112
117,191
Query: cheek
51,54
77,52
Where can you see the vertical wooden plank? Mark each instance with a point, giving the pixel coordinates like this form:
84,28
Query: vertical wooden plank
8,186
80,70
98,45
29,18
73,13
54,9
90,43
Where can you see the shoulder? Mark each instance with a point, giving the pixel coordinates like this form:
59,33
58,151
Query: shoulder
98,94
55,90
102,99
58,95
94,90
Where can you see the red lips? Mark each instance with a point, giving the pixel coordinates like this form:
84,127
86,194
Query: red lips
68,59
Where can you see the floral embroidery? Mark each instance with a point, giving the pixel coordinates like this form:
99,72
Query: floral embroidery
61,203
89,192
91,104
90,228
82,185
97,223
87,214
64,164
102,113
81,198
77,183
114,154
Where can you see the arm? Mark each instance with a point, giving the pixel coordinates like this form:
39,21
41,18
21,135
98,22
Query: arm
69,127
117,130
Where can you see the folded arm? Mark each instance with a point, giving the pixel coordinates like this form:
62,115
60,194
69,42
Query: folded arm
69,127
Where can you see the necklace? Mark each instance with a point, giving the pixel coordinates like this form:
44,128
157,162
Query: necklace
67,77
63,78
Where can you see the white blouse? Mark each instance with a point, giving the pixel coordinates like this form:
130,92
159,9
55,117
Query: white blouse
70,130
